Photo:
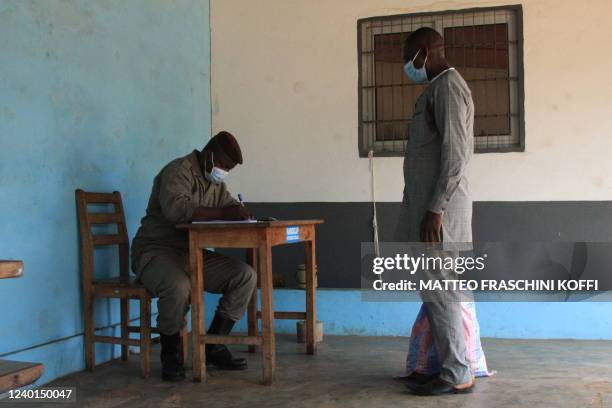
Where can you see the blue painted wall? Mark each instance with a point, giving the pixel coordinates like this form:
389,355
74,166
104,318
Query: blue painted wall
97,95
344,313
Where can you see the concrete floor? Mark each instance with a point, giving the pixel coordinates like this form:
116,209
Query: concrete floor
353,371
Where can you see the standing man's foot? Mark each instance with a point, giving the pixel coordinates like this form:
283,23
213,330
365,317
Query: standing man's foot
217,354
438,386
172,366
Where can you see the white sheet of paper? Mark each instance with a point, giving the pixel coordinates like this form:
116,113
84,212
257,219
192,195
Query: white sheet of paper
226,222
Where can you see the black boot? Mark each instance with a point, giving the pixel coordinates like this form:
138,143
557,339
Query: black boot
219,355
416,378
172,366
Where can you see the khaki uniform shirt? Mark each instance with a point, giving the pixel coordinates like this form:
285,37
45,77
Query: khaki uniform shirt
178,189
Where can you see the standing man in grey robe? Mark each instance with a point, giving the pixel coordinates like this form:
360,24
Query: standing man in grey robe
437,206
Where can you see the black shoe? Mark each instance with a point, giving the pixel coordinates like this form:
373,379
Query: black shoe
219,355
438,386
416,378
172,366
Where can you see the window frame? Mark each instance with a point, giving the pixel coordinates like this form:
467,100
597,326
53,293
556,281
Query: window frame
517,9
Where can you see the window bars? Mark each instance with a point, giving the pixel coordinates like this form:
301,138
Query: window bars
484,45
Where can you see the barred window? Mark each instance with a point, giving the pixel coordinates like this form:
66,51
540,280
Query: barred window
484,45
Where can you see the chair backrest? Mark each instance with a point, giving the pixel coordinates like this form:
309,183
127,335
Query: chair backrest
89,241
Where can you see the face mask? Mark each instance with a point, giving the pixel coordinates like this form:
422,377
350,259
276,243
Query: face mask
416,75
216,175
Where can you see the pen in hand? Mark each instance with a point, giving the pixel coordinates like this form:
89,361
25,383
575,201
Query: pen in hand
250,217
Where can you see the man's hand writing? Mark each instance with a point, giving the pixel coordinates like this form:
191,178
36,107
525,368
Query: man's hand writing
236,213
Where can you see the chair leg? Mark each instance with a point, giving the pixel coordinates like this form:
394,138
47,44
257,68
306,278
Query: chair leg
90,351
145,336
184,345
125,319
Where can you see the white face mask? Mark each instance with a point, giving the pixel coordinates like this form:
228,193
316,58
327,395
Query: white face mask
416,75
216,175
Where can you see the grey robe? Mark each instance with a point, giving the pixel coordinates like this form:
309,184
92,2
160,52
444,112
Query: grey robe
440,146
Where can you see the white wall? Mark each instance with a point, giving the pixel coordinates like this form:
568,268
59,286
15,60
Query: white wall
284,81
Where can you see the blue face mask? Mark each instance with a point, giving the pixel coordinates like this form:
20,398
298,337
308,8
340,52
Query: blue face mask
416,75
216,175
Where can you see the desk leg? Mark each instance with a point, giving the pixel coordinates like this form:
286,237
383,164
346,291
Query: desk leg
196,260
252,310
311,284
267,312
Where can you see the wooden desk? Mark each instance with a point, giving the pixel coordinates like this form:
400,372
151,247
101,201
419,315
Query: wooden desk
10,269
16,374
258,238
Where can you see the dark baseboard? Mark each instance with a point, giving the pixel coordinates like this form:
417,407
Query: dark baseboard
348,224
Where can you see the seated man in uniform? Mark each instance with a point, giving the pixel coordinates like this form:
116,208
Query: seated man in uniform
191,188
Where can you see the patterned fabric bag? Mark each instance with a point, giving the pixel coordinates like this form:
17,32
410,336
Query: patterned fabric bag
422,354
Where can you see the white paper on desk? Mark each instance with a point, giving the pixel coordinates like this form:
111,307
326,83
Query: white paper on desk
226,222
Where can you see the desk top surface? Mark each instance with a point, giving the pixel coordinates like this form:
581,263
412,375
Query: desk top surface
259,224
10,269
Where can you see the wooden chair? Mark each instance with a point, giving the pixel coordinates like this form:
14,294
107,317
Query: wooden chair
121,287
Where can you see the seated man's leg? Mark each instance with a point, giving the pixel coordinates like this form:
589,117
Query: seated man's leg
165,276
236,281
